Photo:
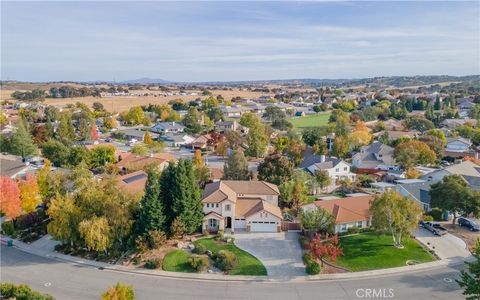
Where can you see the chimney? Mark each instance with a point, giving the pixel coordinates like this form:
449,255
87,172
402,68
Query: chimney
322,158
173,123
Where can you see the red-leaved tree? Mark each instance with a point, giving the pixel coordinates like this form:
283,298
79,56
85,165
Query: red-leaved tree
94,132
328,247
9,197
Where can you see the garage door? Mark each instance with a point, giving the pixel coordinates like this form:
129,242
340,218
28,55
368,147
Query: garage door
263,226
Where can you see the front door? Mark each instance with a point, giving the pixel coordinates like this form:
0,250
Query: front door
228,222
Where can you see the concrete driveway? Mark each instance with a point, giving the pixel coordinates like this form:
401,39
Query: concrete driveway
446,246
280,253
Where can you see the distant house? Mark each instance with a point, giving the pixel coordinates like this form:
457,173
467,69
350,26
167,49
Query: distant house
468,170
395,135
417,190
13,166
227,126
460,147
241,205
177,140
465,103
232,112
137,162
336,168
373,157
348,212
454,123
133,183
136,134
390,125
167,127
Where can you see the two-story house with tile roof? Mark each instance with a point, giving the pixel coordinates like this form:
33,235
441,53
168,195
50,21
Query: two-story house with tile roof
241,205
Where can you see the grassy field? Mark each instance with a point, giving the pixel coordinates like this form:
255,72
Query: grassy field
177,261
368,251
247,263
316,120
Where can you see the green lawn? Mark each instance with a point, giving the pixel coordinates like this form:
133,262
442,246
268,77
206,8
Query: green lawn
247,263
316,120
368,251
177,261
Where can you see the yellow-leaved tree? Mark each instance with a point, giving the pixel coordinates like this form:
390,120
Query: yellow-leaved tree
96,233
29,193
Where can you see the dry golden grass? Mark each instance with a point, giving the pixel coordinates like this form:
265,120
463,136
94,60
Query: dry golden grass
122,103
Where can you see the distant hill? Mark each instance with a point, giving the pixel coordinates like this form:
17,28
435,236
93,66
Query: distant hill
145,80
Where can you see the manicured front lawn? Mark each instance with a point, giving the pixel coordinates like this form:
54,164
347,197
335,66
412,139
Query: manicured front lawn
177,261
368,251
247,263
316,120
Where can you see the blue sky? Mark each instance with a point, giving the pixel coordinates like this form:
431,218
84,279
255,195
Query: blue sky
207,41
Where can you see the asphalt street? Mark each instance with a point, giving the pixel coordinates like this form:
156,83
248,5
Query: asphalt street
67,281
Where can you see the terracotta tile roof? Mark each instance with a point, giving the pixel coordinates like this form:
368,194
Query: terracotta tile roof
133,182
229,189
346,210
249,206
165,156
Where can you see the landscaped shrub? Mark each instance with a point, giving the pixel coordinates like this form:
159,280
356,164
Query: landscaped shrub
8,228
198,262
303,241
313,268
136,260
353,230
153,264
436,213
21,292
307,258
427,218
141,244
200,249
156,239
226,260
220,234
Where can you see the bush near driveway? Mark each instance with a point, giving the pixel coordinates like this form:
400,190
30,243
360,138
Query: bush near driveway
369,251
226,260
21,292
199,262
247,263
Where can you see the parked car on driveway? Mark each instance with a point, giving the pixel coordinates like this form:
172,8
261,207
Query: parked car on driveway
435,228
470,224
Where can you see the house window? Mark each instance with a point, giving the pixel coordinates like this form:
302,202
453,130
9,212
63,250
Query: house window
359,224
216,205
212,223
337,169
345,168
227,207
343,227
208,205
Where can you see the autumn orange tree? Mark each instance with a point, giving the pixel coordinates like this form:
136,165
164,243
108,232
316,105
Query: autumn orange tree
9,197
328,247
29,193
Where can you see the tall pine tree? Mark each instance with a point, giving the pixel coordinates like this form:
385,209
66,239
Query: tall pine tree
185,196
151,215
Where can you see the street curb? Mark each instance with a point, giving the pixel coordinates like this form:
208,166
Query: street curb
242,278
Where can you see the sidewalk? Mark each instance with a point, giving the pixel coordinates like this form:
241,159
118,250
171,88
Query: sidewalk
45,252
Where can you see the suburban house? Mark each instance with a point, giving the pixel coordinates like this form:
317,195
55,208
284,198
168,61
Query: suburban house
373,157
390,125
454,123
177,140
136,134
227,126
468,170
417,190
337,168
460,147
167,127
133,183
348,212
241,205
13,166
136,162
232,111
395,135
